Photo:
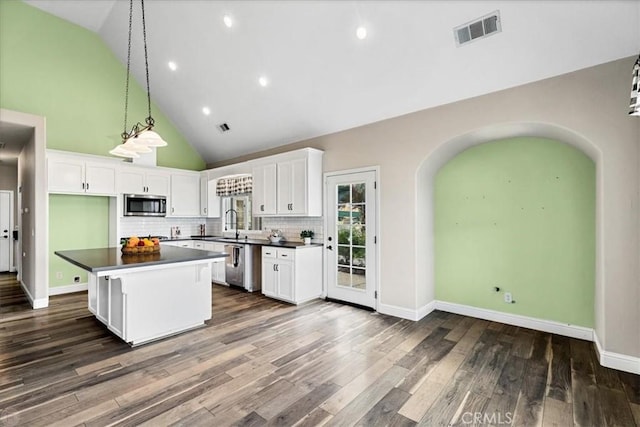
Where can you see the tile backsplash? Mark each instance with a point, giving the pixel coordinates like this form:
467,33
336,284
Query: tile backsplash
143,226
289,226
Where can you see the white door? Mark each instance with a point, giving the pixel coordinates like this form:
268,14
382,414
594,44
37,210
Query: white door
351,234
5,230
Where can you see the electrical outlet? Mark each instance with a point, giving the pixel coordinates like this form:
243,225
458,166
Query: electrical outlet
76,279
59,275
508,298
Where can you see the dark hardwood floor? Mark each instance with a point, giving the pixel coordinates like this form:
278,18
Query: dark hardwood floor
262,362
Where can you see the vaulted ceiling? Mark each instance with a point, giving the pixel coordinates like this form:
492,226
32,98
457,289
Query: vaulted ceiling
321,78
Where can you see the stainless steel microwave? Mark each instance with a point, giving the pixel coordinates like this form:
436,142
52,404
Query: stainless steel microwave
144,205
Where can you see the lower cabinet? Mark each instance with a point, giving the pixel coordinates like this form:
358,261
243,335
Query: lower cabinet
180,243
292,275
218,264
134,304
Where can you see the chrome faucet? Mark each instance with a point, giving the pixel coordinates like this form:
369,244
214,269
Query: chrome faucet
231,218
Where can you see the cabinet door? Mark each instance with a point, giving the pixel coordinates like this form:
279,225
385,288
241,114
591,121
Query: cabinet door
264,190
269,277
218,271
65,176
284,188
286,285
213,200
157,184
100,179
185,195
292,187
298,190
204,195
131,182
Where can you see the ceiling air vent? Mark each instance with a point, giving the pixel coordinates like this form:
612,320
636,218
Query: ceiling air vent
224,128
478,28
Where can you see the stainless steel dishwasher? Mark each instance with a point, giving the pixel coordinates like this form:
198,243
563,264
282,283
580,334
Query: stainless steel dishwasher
243,266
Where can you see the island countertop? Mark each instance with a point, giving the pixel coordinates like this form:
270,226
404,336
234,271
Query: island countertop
108,259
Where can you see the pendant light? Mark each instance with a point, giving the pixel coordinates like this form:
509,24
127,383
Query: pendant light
141,136
634,106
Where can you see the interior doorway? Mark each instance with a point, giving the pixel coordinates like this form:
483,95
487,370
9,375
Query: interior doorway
6,228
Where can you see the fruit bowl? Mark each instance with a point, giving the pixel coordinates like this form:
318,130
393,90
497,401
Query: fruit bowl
135,250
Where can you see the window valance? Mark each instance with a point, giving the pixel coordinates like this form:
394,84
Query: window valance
234,185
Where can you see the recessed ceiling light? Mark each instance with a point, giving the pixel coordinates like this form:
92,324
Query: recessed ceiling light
263,81
361,33
227,21
172,66
206,111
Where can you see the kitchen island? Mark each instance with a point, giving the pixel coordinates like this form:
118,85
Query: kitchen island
145,297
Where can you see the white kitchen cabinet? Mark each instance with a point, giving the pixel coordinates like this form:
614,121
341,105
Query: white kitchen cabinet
292,187
292,275
209,200
264,189
76,176
140,181
185,195
218,264
179,243
288,184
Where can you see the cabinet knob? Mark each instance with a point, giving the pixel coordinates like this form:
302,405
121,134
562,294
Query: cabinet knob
330,247
262,208
83,185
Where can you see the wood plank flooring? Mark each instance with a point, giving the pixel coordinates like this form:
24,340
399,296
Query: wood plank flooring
261,362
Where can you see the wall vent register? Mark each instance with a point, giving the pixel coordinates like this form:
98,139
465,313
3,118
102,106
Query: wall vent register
478,28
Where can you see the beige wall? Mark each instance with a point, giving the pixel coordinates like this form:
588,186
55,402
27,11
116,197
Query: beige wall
33,221
590,104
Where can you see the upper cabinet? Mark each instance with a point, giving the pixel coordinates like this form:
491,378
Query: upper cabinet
185,194
133,180
209,200
70,175
288,184
263,197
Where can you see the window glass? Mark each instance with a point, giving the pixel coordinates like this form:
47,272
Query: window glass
237,214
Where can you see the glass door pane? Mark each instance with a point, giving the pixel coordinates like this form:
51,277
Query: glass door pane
351,231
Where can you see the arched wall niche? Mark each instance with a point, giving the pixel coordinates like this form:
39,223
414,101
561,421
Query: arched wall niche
425,180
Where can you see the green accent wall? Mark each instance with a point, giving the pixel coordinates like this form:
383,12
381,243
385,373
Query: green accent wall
66,73
518,214
59,70
82,232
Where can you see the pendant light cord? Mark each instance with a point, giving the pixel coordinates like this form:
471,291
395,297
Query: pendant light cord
146,65
126,91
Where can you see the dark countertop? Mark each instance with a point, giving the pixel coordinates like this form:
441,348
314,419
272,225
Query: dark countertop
261,242
104,259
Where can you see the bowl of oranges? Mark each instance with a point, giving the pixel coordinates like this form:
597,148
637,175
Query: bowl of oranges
135,245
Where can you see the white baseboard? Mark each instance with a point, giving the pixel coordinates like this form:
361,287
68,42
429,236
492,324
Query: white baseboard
35,303
68,289
425,309
551,326
618,361
394,310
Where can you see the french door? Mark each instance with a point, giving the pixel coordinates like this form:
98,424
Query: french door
350,240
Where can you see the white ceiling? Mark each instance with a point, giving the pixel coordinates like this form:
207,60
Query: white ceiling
322,78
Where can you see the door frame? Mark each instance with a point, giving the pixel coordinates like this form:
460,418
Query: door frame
376,250
12,263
